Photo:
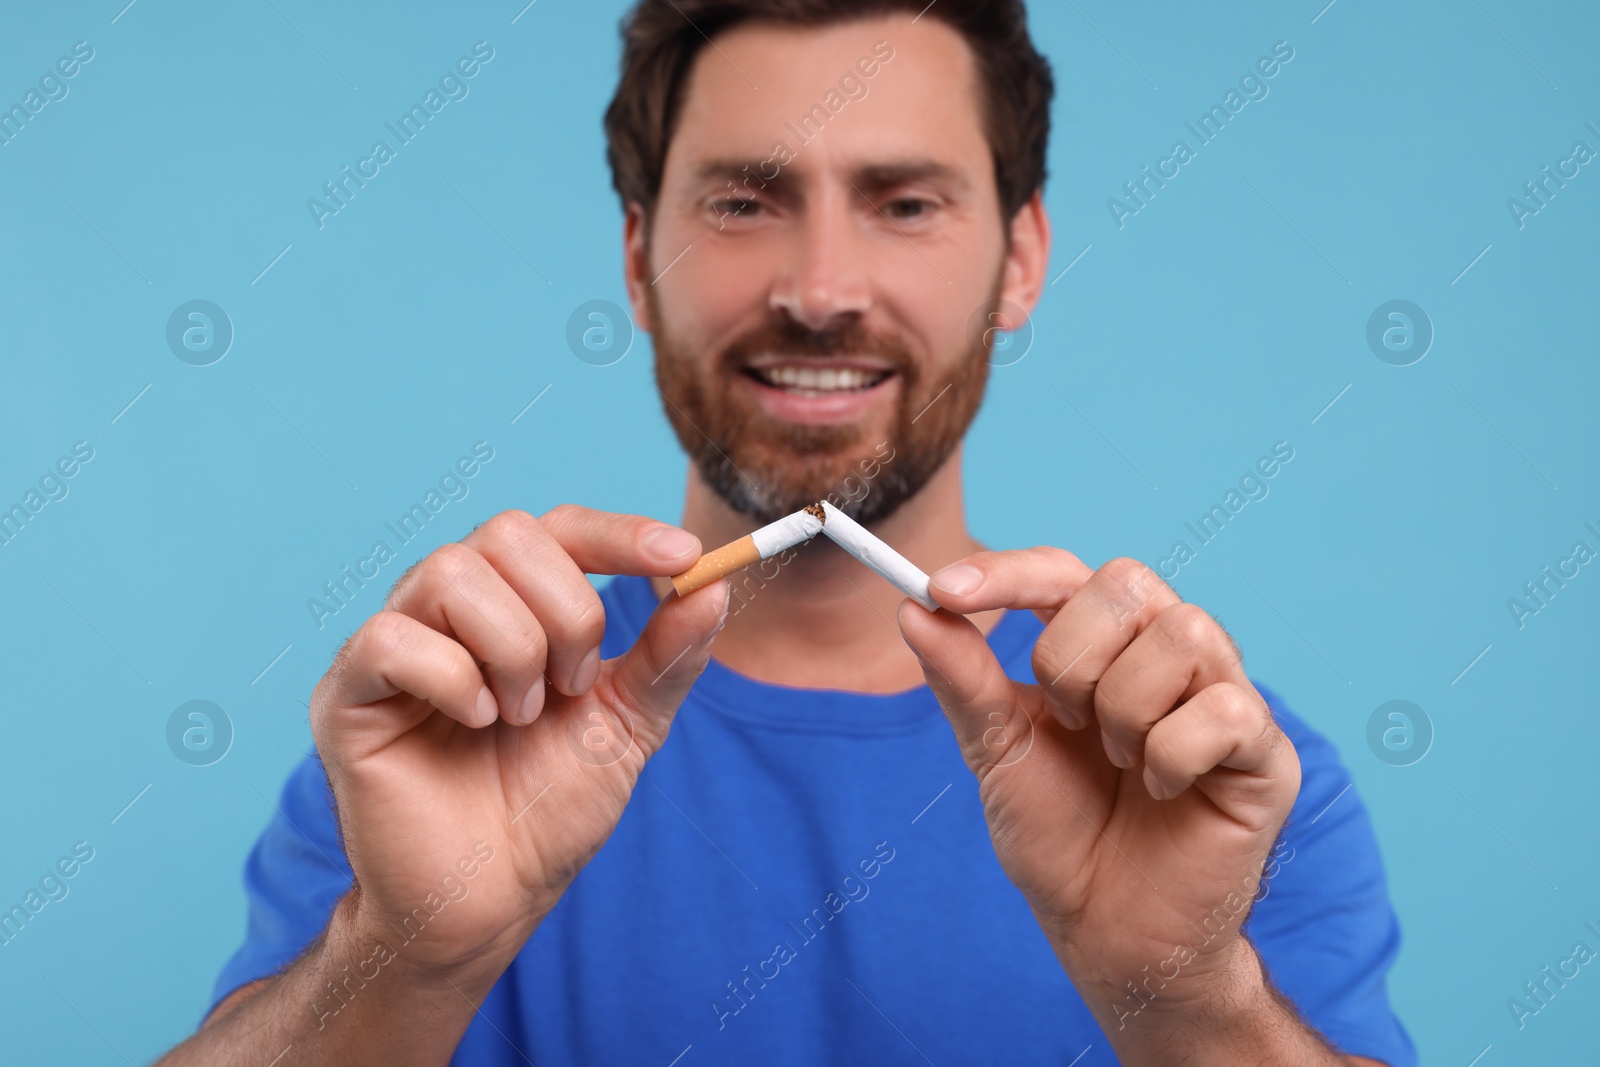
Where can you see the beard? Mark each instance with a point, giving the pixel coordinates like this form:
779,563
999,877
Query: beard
767,468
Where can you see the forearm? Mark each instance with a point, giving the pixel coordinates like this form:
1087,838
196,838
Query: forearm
350,1000
1228,1016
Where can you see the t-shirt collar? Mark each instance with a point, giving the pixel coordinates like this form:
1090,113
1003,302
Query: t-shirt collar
727,692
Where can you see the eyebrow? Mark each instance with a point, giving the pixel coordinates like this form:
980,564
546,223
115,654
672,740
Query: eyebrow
870,176
883,175
730,170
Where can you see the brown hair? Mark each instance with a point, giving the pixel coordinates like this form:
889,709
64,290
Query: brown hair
661,39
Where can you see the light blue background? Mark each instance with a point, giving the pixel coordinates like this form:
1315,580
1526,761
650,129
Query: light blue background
1225,316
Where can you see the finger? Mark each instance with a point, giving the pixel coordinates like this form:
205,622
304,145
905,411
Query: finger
1036,579
392,654
545,561
1182,651
651,679
457,592
603,542
1091,630
1225,726
989,712
541,572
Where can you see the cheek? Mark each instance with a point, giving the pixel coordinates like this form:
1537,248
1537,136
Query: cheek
946,320
709,297
938,323
698,315
724,287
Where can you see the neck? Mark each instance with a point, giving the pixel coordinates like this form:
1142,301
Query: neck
822,620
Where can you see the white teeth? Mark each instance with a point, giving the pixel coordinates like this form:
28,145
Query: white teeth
827,380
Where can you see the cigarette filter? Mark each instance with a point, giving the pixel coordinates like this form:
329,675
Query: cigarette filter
751,548
878,556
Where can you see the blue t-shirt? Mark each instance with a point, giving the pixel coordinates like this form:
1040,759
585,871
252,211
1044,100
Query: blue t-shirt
805,876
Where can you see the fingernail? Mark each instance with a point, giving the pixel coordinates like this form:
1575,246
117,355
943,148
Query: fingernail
532,703
487,708
669,542
1154,785
1070,717
588,670
961,579
1115,752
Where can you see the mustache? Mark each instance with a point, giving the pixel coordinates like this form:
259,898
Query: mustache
791,338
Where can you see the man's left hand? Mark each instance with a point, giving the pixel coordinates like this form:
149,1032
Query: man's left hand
1134,794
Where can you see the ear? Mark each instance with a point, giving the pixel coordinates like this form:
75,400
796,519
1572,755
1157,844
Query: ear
636,263
1029,257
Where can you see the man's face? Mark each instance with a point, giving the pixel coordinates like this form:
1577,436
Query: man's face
822,304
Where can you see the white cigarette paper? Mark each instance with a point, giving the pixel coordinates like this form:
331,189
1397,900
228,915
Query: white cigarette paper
898,571
785,533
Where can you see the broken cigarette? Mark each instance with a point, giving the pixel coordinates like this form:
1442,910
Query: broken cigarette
878,556
803,525
751,548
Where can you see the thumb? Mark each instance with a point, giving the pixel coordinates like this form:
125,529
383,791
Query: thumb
992,716
651,679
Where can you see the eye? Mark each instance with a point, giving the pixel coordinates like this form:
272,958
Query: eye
737,207
908,208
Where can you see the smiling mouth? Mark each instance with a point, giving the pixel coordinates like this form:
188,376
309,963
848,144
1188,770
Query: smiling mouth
818,381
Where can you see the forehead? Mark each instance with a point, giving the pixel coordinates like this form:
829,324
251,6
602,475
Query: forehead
753,85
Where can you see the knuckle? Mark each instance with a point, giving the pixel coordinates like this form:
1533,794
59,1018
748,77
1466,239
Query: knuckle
379,642
512,526
558,516
1131,583
1243,713
1189,626
1051,556
380,638
1110,708
1050,662
1056,567
532,645
1125,571
584,622
452,563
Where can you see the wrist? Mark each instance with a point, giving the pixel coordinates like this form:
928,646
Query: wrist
1206,992
371,942
1176,989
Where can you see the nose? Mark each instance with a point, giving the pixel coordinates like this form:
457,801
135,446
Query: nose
825,275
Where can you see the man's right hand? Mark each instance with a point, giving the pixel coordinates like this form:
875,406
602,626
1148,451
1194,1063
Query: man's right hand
475,708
